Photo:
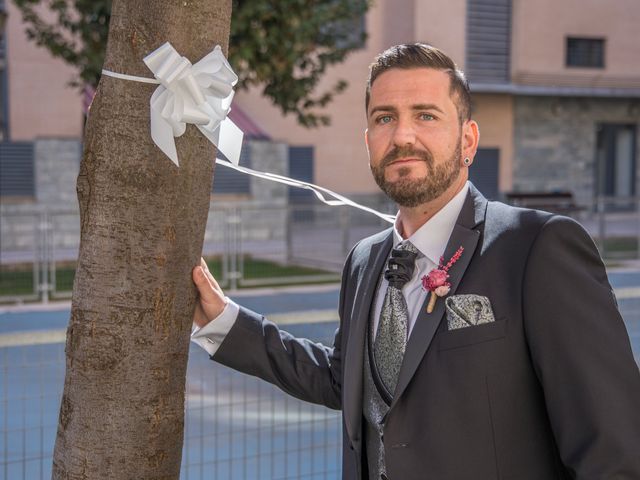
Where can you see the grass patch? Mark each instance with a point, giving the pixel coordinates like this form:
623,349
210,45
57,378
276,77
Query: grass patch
18,279
64,279
259,269
618,248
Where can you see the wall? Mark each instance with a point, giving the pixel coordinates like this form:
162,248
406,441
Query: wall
41,104
538,41
555,141
54,211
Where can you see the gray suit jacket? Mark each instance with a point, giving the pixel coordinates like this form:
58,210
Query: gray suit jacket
550,390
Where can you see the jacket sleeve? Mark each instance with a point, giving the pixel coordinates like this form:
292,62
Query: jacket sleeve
582,355
307,370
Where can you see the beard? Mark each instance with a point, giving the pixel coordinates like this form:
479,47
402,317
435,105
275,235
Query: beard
411,192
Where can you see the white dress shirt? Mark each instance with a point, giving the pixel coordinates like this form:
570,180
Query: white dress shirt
430,239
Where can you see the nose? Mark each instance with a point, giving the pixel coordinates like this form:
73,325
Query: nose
404,133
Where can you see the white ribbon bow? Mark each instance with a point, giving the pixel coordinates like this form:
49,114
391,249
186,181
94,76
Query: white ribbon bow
200,94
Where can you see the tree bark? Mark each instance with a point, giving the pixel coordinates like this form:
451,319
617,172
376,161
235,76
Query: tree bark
142,230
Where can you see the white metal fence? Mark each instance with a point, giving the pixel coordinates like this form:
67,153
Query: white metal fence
253,245
236,427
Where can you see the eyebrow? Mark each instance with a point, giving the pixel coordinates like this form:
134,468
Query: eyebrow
416,107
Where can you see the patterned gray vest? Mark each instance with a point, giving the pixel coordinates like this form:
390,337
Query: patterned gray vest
374,407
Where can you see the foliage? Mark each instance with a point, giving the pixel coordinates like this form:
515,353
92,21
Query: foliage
283,46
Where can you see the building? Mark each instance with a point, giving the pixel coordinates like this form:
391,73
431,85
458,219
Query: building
556,91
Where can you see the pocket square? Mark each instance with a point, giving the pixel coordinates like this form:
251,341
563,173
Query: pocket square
468,310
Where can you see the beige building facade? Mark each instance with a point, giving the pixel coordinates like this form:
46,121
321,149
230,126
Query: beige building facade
40,101
556,88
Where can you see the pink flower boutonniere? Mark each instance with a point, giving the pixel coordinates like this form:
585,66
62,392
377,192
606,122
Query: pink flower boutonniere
436,281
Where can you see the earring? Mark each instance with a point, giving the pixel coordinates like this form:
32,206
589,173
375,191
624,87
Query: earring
466,161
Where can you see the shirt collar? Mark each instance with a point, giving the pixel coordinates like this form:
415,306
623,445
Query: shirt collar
431,238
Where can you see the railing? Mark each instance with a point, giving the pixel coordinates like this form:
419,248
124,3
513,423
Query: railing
255,245
236,427
614,223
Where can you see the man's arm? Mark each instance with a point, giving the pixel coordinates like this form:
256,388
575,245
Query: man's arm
582,355
247,342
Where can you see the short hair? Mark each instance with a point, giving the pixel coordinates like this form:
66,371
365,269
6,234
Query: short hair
420,55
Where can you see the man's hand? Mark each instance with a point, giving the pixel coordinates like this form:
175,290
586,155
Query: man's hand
211,299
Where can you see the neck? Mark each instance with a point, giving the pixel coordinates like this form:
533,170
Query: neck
412,218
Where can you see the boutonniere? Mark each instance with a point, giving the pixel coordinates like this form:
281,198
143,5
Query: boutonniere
436,281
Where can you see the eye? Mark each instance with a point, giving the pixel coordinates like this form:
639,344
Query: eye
382,119
427,116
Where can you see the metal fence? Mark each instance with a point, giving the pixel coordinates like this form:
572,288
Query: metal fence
236,427
252,245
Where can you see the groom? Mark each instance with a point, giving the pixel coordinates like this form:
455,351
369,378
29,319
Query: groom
515,366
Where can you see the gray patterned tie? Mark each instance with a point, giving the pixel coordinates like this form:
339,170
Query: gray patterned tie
391,337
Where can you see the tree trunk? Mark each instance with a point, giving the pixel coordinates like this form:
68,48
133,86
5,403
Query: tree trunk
142,229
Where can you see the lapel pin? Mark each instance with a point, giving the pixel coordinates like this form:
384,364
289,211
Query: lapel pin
436,281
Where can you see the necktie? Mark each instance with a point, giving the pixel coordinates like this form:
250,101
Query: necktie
391,337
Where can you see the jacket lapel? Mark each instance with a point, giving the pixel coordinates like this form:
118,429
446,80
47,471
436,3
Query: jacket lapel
466,234
354,356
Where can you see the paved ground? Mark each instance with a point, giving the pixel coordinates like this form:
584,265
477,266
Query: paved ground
237,427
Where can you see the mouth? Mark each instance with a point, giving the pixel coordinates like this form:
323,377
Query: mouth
404,161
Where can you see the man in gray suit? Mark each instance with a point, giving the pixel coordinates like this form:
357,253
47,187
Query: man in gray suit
476,340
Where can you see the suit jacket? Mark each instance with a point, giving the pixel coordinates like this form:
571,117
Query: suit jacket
550,390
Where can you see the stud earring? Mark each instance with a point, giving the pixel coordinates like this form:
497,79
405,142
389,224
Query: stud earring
466,161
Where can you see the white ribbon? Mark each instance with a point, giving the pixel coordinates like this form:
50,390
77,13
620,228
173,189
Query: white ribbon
317,190
200,94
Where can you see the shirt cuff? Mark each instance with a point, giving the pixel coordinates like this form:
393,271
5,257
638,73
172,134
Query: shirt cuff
211,336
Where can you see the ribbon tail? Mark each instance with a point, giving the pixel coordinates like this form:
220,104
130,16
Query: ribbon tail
228,138
162,134
230,142
308,186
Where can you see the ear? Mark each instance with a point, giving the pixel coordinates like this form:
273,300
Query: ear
470,138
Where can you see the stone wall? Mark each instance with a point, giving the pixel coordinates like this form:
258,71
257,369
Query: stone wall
555,142
262,216
52,218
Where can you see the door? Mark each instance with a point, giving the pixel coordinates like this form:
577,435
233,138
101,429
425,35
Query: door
616,165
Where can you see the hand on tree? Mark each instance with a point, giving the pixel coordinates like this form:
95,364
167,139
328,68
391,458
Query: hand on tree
211,301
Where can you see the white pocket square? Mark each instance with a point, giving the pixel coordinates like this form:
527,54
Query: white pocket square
468,310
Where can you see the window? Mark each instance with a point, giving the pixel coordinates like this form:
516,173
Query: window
229,181
485,170
17,169
301,168
488,41
585,52
616,164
